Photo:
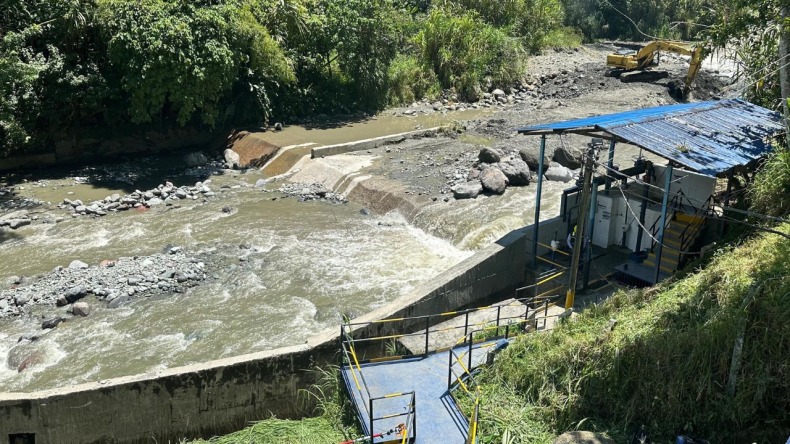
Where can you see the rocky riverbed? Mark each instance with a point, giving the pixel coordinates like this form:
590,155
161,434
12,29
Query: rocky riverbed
112,282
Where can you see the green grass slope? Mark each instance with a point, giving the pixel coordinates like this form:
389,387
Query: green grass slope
669,362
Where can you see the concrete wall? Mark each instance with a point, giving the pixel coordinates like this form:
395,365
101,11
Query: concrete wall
369,144
220,396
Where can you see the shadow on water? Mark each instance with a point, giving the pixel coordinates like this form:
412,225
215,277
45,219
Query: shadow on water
6,235
323,122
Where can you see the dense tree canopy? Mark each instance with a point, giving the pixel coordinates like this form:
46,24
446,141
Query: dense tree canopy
66,65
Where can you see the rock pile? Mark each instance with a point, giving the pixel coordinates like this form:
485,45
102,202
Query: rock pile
493,172
313,191
165,194
114,282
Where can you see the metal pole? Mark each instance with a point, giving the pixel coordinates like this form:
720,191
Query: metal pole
667,184
427,328
610,163
590,228
642,212
577,247
537,200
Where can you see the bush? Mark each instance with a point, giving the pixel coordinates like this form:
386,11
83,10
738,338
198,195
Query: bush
770,191
564,37
464,52
409,80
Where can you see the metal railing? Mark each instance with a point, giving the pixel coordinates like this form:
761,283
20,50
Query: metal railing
498,325
407,429
464,379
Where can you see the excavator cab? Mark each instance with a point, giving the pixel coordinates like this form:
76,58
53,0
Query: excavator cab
634,66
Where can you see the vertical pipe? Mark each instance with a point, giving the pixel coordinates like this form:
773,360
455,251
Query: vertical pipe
590,229
667,184
537,200
414,416
577,247
466,324
498,312
610,163
642,212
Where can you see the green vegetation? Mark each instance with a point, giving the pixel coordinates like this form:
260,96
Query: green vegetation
67,67
329,426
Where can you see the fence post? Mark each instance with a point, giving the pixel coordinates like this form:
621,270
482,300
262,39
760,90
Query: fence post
427,328
414,416
370,402
471,343
466,323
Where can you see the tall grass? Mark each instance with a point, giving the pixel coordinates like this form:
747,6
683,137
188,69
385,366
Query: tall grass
770,191
666,361
332,424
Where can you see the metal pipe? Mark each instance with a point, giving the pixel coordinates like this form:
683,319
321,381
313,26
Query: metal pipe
668,183
577,248
537,200
610,163
590,230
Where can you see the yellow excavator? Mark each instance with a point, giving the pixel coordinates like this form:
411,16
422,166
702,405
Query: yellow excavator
633,66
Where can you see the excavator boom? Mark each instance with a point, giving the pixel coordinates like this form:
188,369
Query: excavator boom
645,57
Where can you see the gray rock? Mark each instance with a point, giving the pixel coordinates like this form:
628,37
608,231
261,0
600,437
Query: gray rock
74,294
469,190
115,197
81,209
21,299
119,301
260,184
232,158
81,309
516,171
78,265
51,322
155,201
580,437
558,173
134,280
17,223
174,250
570,158
13,280
531,155
493,180
181,194
497,93
195,159
278,126
489,155
148,195
474,174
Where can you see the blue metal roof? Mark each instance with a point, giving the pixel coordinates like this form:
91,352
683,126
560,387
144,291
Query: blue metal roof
708,137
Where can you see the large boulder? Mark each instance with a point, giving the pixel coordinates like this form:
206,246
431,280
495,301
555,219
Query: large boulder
469,190
195,159
558,173
78,265
489,155
232,158
493,180
516,171
81,309
531,155
570,158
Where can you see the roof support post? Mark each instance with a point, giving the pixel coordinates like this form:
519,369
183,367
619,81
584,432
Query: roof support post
590,228
580,239
610,163
537,200
663,223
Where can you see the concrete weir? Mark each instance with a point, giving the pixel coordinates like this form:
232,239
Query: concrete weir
216,397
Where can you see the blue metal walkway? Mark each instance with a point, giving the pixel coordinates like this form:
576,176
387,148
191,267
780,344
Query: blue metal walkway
438,418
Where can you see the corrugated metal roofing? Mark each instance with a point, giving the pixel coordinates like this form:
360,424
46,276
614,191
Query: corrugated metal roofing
708,137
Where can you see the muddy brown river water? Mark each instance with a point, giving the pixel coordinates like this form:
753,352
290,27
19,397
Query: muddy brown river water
306,264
